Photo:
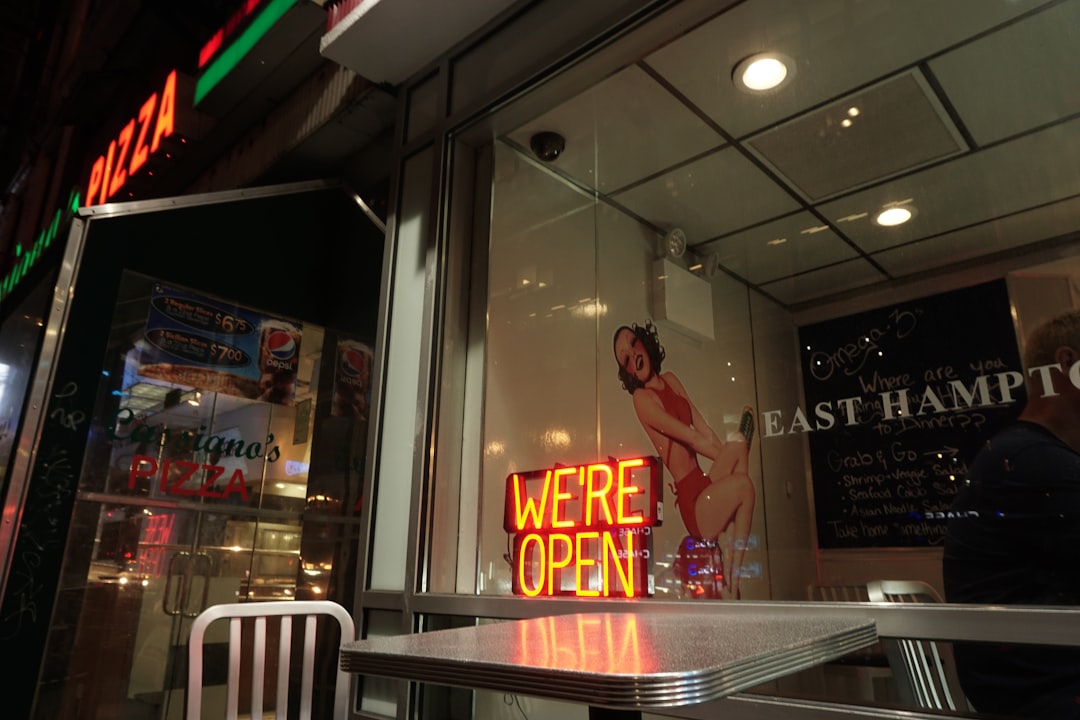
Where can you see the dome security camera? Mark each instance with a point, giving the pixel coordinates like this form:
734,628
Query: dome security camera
547,145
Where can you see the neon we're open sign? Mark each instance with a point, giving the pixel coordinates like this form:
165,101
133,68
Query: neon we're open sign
584,530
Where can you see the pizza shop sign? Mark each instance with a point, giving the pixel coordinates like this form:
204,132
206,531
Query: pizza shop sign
584,530
185,477
138,140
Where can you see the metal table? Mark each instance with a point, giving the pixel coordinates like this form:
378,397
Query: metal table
617,663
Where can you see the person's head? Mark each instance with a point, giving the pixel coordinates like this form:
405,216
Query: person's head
1054,342
638,353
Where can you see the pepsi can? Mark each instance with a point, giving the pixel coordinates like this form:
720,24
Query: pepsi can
279,359
352,379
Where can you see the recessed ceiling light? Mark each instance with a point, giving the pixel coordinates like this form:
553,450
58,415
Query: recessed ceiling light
763,72
895,215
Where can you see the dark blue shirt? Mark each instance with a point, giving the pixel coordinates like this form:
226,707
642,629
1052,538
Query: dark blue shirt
1015,539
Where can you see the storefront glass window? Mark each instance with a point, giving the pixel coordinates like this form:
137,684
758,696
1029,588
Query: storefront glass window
823,289
20,336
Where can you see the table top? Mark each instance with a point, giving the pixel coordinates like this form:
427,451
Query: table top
617,660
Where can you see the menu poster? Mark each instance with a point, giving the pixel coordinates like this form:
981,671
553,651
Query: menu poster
352,379
210,345
898,400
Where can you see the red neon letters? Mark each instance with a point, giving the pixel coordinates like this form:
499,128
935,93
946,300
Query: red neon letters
226,31
182,477
592,519
134,145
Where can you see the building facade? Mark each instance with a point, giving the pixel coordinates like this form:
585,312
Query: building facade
646,326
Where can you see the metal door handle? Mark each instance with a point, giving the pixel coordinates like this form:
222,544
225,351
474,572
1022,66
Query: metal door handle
203,560
178,559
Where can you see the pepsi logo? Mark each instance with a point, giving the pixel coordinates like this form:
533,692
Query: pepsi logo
354,363
281,345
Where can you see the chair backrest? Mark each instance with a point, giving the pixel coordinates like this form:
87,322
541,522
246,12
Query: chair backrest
837,593
236,613
924,668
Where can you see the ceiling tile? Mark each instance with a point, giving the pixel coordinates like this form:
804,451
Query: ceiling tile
837,45
826,281
1027,172
712,196
881,131
536,197
622,130
791,245
1022,77
1005,233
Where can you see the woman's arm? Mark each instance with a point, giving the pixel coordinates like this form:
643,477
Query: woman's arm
713,441
653,416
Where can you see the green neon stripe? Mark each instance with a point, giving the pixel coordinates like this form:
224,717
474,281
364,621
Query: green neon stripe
240,47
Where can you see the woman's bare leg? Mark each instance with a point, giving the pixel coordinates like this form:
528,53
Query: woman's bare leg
744,516
727,506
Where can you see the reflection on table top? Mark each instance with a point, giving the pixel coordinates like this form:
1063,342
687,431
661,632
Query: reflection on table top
615,660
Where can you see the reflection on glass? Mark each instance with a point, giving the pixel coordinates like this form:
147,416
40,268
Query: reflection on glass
199,494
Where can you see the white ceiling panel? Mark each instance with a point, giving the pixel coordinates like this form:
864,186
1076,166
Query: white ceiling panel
1000,180
969,113
624,129
1005,233
1024,76
837,45
880,131
712,196
527,197
780,248
842,277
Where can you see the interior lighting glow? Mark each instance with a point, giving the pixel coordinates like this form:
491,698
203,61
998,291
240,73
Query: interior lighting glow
893,216
762,72
846,122
853,111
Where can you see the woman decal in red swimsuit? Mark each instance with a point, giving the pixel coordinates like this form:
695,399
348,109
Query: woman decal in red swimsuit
712,503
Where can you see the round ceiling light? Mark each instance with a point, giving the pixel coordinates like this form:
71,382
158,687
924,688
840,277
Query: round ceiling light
763,72
896,215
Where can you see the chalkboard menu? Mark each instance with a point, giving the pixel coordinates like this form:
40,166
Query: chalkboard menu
897,401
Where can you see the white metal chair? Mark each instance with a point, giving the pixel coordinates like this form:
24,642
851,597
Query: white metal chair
862,671
923,668
307,610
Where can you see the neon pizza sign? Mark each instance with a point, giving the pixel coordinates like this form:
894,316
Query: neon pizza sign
139,139
584,530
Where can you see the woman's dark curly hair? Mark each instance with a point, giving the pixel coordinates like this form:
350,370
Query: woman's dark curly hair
649,338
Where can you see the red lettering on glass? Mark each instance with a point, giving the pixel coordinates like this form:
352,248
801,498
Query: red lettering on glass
212,474
187,469
182,472
236,484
